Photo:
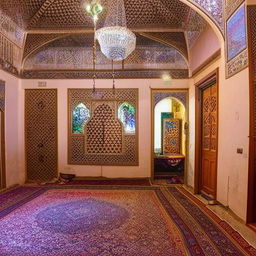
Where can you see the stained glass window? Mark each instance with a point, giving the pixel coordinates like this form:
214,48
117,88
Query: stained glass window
81,115
126,114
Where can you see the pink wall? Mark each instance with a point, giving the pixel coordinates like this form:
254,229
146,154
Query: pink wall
144,169
232,176
13,170
204,48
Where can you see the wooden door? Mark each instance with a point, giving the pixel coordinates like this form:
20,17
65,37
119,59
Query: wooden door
209,140
251,206
2,152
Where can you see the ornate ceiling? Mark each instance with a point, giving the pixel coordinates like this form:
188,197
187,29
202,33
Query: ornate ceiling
59,34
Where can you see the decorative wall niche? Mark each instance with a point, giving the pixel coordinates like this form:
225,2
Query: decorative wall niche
103,127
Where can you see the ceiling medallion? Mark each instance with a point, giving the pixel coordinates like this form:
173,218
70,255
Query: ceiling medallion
116,41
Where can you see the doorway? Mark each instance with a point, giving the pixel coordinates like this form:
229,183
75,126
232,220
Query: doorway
169,115
2,136
206,141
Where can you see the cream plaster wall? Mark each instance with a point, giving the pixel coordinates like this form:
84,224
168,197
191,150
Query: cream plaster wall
207,44
144,169
232,179
12,89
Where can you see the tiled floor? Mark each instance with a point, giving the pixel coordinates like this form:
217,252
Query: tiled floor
232,219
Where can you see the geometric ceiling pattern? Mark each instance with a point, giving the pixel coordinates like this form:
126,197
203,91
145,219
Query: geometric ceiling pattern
214,9
74,52
59,33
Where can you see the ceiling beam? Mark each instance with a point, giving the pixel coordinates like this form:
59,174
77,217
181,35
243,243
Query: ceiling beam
90,30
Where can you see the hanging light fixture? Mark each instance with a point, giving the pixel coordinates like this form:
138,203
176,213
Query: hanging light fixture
94,9
116,41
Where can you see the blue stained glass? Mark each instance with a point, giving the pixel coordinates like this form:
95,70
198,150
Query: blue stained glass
126,114
81,115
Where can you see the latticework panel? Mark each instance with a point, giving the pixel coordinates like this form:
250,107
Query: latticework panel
103,133
210,108
153,13
33,41
103,141
171,136
41,134
86,74
252,31
2,96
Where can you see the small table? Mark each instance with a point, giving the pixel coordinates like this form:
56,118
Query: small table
165,164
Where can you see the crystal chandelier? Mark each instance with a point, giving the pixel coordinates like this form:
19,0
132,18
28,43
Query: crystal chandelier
94,9
116,41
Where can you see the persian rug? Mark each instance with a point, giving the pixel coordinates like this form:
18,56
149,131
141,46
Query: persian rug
108,182
113,221
170,180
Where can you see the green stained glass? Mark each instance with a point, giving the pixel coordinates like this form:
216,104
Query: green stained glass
126,114
81,115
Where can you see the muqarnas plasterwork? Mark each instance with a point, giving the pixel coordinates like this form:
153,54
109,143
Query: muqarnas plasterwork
214,9
236,42
103,127
231,6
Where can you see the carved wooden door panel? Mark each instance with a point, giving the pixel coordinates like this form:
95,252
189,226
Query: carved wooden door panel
2,178
41,134
2,136
209,140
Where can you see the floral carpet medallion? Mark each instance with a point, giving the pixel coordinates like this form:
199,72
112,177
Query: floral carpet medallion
110,222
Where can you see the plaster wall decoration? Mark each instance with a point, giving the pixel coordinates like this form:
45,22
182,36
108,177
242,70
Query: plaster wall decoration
103,139
67,58
236,42
9,56
231,6
214,9
174,39
75,53
182,96
195,27
59,36
155,57
11,41
34,41
11,30
119,74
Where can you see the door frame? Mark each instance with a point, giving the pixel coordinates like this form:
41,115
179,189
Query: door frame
251,200
2,134
207,81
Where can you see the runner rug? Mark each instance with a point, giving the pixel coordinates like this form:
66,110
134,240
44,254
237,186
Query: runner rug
112,221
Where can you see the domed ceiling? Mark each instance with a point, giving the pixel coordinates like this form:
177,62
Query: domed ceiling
59,37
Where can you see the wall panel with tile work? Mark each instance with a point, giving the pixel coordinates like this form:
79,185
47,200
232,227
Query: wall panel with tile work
41,134
103,127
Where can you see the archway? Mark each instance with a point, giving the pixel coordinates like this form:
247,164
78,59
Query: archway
169,135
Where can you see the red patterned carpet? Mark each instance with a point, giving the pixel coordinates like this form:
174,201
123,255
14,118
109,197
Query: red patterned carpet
112,221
